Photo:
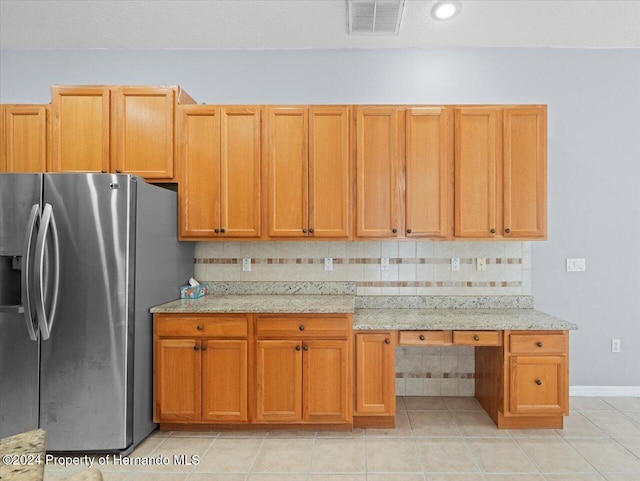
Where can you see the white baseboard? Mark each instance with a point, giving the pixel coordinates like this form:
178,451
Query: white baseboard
605,391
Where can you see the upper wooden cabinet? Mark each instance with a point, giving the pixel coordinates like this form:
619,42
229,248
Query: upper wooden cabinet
23,138
403,169
307,171
500,172
428,199
220,159
115,129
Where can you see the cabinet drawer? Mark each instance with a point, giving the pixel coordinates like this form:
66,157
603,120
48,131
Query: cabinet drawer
223,326
532,343
477,338
538,385
303,327
424,338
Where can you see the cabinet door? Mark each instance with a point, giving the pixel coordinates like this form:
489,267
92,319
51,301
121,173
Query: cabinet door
178,380
279,381
376,166
525,172
477,151
326,381
143,124
329,171
287,171
538,385
199,190
80,129
429,156
25,138
240,172
375,374
224,380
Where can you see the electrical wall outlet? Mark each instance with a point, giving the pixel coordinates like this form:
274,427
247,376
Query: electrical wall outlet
615,345
576,265
328,263
246,265
455,263
481,264
384,264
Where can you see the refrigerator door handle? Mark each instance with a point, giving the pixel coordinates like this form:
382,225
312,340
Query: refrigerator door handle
46,321
32,327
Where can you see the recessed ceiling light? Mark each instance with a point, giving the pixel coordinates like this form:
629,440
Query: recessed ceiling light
445,10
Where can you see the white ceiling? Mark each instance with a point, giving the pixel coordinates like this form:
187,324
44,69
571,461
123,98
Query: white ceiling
304,24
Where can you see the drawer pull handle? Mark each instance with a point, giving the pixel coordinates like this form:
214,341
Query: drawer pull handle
200,327
387,341
204,348
297,348
195,348
216,230
305,348
476,338
394,230
539,343
422,337
301,327
538,382
493,231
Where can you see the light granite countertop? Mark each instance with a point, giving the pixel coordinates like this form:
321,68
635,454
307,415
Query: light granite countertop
30,445
457,319
261,303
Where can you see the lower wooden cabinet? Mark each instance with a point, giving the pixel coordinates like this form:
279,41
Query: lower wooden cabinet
375,378
537,385
303,369
199,378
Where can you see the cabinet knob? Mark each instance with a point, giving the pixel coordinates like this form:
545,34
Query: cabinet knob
387,341
539,343
301,327
310,230
422,337
305,348
304,231
103,171
476,338
297,348
222,230
409,231
204,348
538,382
118,171
200,327
507,230
195,348
394,230
216,230
493,231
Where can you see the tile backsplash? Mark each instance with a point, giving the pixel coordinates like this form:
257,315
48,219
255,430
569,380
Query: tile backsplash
415,268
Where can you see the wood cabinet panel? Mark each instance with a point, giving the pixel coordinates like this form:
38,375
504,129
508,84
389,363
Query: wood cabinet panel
199,192
428,170
377,157
424,338
525,172
538,343
477,154
326,381
240,172
329,165
81,120
375,373
303,327
287,171
538,385
477,338
23,132
223,325
143,142
224,380
178,372
278,381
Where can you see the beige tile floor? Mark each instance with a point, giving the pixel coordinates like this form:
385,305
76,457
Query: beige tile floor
436,439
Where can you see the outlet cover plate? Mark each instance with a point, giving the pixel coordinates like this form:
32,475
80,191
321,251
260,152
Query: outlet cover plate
481,264
576,265
246,265
328,263
455,263
384,263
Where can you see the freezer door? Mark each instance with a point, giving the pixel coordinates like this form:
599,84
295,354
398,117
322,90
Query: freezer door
85,372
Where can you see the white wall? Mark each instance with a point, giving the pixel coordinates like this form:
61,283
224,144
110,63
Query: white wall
594,146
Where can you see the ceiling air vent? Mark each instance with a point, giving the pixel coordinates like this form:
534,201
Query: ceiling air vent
375,17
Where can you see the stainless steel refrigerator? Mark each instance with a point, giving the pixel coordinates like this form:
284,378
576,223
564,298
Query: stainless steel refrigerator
82,258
